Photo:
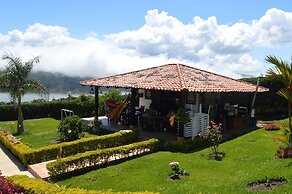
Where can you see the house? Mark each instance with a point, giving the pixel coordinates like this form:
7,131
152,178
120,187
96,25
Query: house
168,87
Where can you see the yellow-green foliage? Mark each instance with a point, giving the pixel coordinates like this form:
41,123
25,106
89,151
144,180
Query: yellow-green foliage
101,157
28,155
20,150
31,185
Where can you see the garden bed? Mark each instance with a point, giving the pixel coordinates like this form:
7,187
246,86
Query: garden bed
249,157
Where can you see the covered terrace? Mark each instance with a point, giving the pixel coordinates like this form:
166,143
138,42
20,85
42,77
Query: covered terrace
168,87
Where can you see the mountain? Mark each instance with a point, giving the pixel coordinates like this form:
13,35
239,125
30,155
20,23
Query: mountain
58,82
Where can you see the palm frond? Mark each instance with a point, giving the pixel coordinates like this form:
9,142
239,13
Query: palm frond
281,70
282,138
32,85
11,60
285,93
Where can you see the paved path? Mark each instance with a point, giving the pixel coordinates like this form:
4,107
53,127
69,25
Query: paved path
9,164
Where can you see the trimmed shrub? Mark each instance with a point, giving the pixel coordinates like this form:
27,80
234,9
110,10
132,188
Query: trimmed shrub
28,155
70,128
101,157
32,185
19,149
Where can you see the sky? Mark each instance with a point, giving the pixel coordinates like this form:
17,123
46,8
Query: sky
100,38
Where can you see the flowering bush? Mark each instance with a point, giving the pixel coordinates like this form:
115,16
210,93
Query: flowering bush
271,127
70,128
284,152
6,187
214,135
176,170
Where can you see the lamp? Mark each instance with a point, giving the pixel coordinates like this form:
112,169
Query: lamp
91,91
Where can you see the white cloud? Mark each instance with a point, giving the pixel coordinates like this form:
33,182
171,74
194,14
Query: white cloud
204,44
274,28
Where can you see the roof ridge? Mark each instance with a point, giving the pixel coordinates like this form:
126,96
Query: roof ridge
181,78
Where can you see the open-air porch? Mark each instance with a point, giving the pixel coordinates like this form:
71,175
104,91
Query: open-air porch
158,92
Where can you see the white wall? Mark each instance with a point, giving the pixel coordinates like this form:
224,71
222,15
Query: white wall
142,101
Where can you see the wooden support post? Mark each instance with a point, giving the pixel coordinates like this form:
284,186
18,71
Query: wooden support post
182,99
96,101
133,120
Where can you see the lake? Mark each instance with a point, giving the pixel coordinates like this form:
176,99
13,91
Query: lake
4,97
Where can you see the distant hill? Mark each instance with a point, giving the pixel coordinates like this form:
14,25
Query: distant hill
58,82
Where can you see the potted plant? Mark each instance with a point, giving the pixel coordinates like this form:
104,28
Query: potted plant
182,118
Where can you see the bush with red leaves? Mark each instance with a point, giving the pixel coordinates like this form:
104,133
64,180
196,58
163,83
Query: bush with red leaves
7,187
284,152
271,127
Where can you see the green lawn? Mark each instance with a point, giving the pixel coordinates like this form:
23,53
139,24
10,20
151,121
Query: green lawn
248,158
38,132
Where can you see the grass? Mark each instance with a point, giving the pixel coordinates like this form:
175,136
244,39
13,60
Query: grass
248,158
37,132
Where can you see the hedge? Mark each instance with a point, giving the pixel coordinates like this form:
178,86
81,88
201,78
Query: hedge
82,106
28,155
32,186
100,158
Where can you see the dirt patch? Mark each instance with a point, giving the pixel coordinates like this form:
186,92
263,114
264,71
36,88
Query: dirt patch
267,184
178,176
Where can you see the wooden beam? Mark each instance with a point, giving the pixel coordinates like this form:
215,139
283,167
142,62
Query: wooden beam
96,88
133,120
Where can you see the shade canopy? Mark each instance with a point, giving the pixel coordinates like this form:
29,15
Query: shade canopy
174,77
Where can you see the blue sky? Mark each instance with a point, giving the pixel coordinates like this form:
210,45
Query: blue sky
103,17
88,35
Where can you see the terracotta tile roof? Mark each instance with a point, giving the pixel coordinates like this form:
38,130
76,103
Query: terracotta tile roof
174,77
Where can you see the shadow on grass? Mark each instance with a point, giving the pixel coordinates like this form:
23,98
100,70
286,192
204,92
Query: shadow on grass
198,144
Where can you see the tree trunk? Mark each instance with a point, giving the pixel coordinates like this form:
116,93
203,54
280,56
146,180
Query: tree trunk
290,124
20,127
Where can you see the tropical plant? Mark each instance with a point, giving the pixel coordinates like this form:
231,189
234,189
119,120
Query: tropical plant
282,71
15,79
182,116
284,135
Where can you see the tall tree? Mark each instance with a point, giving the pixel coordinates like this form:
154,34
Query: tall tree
15,79
282,71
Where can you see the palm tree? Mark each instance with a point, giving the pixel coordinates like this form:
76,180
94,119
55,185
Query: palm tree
15,79
282,71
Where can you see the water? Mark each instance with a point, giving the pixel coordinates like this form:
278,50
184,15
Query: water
4,97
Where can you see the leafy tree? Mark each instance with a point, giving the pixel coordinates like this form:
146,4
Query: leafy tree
115,96
282,71
15,79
